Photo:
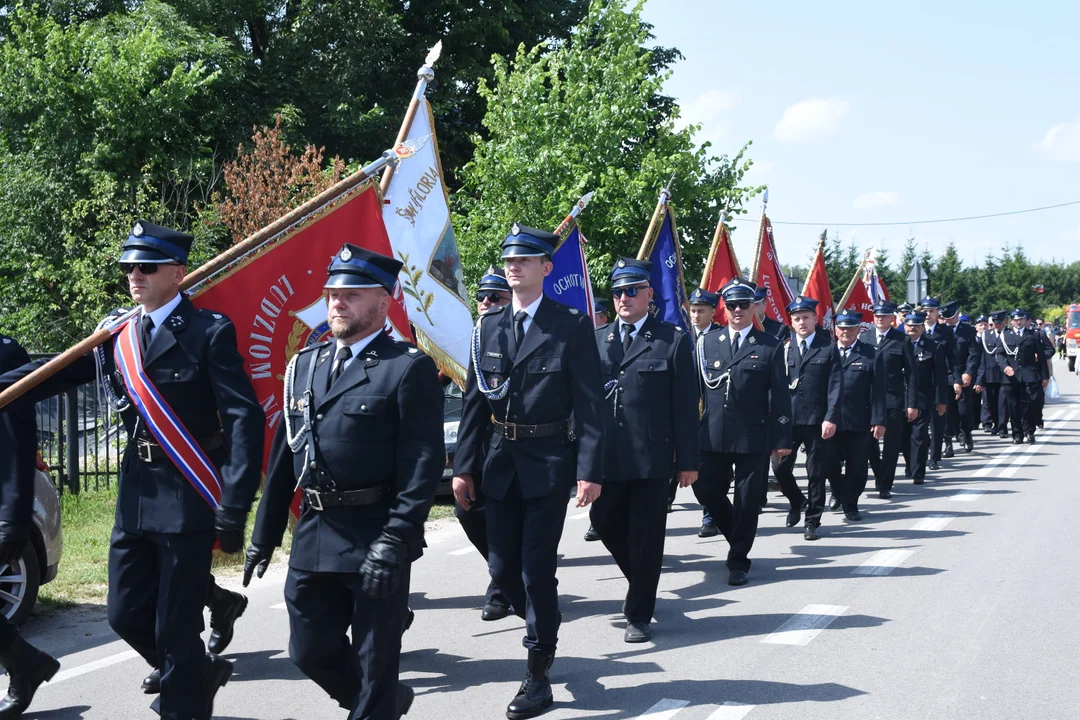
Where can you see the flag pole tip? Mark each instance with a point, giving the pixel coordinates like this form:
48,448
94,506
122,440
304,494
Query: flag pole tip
433,54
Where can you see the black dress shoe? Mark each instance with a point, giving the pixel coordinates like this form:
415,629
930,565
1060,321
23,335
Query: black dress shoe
1018,441
918,481
969,444
28,668
708,530
1004,434
492,611
218,674
852,515
810,533
794,515
534,696
637,632
834,503
1039,424
1030,439
591,535
151,684
225,607
736,577
884,494
948,451
934,466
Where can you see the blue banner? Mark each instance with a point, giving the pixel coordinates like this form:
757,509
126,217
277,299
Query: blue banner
669,291
568,282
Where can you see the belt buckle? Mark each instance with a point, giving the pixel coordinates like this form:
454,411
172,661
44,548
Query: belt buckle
141,446
316,503
510,431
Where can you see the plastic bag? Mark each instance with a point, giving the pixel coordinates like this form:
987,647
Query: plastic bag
1052,392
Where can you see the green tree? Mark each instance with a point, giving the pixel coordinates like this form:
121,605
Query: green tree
949,281
584,116
907,260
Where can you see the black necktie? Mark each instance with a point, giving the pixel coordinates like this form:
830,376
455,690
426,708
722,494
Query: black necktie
844,353
802,348
735,336
344,353
880,339
519,326
144,333
627,338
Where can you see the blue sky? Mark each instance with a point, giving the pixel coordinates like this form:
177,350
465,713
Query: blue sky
867,112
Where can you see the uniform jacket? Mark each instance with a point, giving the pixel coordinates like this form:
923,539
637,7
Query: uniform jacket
379,425
18,446
650,408
712,326
1029,360
969,350
751,413
553,375
931,377
777,329
194,363
901,386
989,371
946,341
809,374
857,388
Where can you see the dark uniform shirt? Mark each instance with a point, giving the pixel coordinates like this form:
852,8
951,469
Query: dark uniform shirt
857,388
808,377
931,377
897,350
1026,354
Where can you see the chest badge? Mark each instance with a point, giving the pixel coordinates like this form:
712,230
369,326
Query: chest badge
716,364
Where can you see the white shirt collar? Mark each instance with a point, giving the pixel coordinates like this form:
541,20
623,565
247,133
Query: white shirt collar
848,348
529,309
636,326
163,312
809,339
930,328
742,333
357,346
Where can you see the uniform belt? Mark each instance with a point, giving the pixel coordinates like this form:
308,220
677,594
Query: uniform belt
514,431
321,499
149,451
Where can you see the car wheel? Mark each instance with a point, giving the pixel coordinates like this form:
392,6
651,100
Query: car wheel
19,585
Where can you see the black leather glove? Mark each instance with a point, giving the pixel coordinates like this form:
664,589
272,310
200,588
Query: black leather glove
13,538
256,557
229,523
384,566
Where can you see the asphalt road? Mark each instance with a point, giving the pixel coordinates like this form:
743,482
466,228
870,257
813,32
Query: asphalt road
956,599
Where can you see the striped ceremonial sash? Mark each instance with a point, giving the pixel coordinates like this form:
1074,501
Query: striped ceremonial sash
166,428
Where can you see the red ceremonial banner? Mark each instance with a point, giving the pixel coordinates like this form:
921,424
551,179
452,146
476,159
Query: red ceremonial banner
769,275
817,287
866,291
274,294
724,267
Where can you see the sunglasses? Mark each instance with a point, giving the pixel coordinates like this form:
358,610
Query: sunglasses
628,292
144,268
491,297
738,304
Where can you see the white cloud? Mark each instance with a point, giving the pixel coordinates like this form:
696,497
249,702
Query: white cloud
811,119
761,167
1062,142
876,199
710,109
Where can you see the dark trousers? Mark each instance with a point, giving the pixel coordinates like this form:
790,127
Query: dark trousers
884,454
917,444
737,522
938,429
631,518
809,438
847,468
673,487
8,632
158,585
523,547
1021,399
966,408
995,407
1040,403
361,674
474,523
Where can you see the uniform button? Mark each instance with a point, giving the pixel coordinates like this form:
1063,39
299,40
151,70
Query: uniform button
543,367
176,375
363,407
620,425
319,416
622,372
313,465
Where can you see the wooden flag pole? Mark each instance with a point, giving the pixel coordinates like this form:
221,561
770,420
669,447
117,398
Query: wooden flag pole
424,76
855,279
654,222
820,249
717,236
760,237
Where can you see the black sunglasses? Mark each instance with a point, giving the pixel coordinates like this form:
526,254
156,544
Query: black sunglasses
628,292
491,297
144,268
740,304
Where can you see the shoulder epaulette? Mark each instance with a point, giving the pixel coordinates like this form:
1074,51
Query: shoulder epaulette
408,347
215,316
316,346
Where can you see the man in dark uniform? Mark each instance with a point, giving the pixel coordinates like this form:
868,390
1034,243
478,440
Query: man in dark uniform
747,417
600,318
893,347
492,292
856,414
702,311
932,391
651,432
943,337
534,367
27,666
599,308
995,406
777,329
364,442
808,363
968,360
1023,363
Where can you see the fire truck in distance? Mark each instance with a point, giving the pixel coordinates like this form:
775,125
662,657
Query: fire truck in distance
1072,335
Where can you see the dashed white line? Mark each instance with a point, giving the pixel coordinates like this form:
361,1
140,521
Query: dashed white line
997,460
1030,451
664,710
805,625
731,711
933,522
93,665
883,562
463,551
967,495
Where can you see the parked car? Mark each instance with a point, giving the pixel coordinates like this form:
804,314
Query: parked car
19,583
452,402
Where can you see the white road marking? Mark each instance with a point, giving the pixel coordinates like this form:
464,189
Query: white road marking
579,516
93,665
1031,450
664,710
933,522
967,495
805,625
279,606
997,460
463,551
883,562
731,711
